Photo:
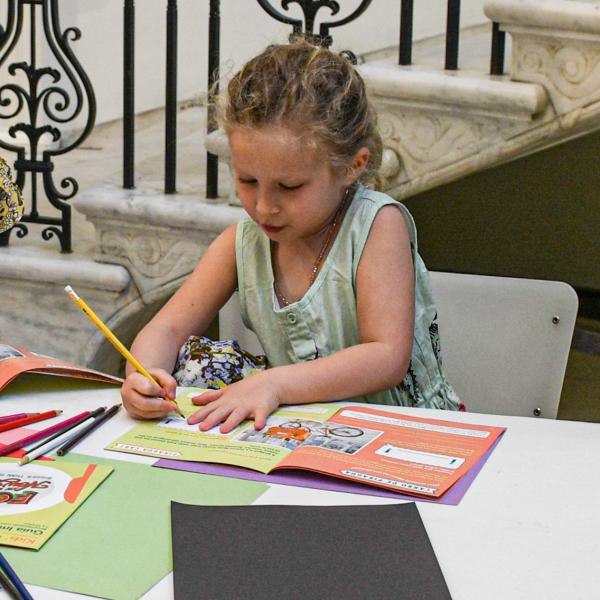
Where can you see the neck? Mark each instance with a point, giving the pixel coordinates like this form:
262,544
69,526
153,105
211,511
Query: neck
319,246
326,234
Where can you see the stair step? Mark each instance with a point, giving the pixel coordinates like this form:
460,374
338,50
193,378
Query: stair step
481,94
142,207
46,266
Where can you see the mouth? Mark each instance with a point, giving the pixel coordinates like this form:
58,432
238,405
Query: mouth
271,228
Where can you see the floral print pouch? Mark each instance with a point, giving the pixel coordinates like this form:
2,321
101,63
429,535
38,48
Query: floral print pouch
205,363
11,201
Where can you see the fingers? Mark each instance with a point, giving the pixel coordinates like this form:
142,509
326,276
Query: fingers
143,399
234,404
260,418
218,415
203,399
143,407
231,414
200,415
228,412
208,396
234,418
166,381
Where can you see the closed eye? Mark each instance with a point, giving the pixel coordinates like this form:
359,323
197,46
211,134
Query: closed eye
289,188
246,181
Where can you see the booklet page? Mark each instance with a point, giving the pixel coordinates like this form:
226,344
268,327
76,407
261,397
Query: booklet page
398,452
246,447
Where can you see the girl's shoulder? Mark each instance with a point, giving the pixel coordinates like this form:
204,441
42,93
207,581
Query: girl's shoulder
377,200
370,202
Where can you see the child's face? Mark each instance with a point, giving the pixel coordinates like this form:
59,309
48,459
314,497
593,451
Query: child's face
289,189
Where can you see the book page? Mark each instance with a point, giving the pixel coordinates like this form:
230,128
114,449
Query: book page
262,450
15,360
398,452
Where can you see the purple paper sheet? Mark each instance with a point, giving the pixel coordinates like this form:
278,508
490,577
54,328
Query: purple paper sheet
324,482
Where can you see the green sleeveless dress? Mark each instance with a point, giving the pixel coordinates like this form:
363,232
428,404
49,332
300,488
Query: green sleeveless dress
325,320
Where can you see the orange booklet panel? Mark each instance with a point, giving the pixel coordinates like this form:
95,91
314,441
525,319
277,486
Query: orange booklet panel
15,360
405,453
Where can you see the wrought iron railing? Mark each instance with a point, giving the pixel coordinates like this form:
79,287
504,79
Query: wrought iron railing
38,107
306,27
214,33
29,102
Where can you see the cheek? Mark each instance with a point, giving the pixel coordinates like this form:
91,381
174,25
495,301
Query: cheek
246,197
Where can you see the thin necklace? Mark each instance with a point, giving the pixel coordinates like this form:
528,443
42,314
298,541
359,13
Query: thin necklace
283,301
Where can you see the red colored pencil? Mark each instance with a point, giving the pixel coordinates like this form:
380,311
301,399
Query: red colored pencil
38,435
9,418
27,420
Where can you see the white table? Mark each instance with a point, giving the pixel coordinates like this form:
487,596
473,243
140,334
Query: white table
528,527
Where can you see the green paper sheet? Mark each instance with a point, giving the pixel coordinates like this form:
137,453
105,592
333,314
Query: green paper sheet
117,545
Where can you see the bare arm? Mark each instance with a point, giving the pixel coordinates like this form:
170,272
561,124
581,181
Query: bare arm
188,312
385,304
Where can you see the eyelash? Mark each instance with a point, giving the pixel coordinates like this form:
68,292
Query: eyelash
287,188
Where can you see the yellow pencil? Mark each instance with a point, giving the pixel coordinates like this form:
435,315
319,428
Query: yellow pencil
110,336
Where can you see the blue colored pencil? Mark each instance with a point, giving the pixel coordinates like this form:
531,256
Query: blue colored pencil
9,586
14,578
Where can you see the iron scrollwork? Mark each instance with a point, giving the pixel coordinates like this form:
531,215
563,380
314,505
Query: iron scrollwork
35,92
310,8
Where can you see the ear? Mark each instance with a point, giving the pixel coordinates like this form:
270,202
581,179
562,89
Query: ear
359,163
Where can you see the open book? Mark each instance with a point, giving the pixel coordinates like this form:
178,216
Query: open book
15,360
358,442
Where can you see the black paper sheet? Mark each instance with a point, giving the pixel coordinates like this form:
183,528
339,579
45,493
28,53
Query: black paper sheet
303,552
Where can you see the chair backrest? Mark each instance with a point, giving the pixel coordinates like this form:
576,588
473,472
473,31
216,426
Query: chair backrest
505,341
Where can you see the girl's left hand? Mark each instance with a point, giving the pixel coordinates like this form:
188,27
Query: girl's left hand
254,397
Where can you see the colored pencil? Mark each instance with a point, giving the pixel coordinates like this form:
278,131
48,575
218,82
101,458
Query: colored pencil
59,438
31,419
90,427
38,435
112,338
9,586
15,417
14,578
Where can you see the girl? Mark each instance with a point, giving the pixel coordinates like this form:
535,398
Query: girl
328,273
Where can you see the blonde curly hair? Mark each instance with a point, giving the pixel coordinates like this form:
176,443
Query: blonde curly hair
309,89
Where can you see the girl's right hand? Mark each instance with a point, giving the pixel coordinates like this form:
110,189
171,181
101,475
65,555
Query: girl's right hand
143,399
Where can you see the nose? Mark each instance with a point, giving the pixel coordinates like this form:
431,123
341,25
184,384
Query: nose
267,203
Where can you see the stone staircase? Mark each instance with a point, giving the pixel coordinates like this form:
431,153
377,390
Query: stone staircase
436,125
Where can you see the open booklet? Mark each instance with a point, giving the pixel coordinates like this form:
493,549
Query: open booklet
361,443
15,360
